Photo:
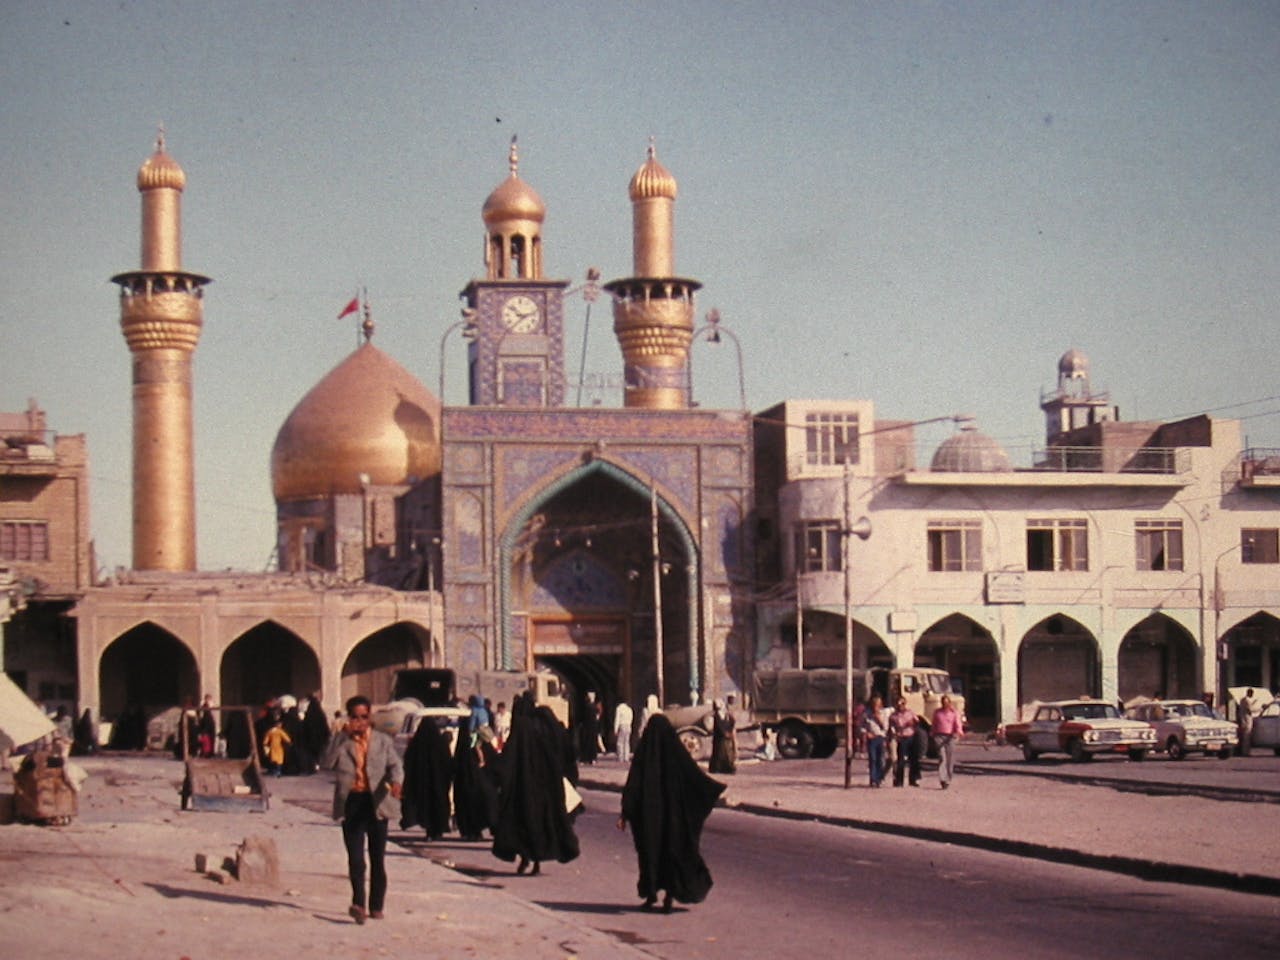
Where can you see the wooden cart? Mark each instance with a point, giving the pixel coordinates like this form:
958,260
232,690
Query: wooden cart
225,783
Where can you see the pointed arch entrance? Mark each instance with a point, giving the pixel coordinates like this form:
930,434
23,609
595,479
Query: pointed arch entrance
146,667
266,661
823,643
1157,658
1058,659
577,586
1251,650
371,665
967,651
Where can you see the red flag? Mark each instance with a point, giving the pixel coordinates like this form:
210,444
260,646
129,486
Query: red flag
351,307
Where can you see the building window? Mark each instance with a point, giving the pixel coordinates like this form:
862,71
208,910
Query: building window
818,546
831,438
1159,544
24,540
1057,545
955,545
1260,545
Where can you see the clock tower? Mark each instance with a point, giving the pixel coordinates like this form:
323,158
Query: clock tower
517,356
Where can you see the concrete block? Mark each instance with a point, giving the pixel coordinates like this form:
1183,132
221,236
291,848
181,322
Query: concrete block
257,861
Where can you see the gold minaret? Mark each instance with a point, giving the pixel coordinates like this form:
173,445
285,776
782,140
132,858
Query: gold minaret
161,313
653,310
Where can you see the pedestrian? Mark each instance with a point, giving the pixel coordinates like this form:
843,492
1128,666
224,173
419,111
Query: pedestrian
317,731
275,744
903,727
501,725
948,725
649,709
533,823
875,728
428,775
85,738
366,794
623,716
589,730
1246,709
666,800
724,747
475,785
206,726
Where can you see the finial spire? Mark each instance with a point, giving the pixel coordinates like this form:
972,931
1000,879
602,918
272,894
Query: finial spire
514,159
366,325
160,137
653,147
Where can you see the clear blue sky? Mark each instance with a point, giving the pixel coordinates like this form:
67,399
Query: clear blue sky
921,204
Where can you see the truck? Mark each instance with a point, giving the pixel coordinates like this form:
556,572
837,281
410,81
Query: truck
442,693
806,708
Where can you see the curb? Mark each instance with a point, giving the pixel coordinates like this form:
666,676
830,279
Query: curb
1156,871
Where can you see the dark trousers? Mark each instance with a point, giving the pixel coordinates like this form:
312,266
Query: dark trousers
909,756
360,825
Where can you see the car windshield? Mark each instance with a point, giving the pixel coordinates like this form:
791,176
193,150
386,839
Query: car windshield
938,683
1187,710
1090,711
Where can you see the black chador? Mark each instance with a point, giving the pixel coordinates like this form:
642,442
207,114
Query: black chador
428,771
533,824
666,800
475,785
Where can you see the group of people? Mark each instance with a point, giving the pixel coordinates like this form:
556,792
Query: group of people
895,739
525,796
292,735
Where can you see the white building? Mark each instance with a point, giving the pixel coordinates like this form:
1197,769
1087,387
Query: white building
1130,559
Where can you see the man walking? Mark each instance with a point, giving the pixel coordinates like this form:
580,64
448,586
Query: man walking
622,720
366,795
947,727
903,725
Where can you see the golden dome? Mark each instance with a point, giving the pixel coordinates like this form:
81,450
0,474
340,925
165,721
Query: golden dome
513,199
652,180
368,422
161,170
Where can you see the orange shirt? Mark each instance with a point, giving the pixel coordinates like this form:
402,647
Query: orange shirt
361,782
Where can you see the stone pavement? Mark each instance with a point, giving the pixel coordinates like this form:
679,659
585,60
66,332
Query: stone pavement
120,880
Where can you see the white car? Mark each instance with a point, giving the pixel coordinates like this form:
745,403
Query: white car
1266,727
1187,726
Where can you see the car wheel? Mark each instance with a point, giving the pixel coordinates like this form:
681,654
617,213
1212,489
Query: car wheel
1137,756
1175,750
795,742
1225,753
1028,754
1075,749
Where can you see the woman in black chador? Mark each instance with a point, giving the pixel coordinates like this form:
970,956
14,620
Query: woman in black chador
666,800
532,823
724,747
428,772
475,784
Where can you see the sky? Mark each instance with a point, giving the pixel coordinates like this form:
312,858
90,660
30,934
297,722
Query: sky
920,204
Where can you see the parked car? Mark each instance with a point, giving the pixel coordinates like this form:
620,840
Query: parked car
1186,726
1080,729
1266,727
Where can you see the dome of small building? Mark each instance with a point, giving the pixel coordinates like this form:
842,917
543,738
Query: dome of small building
1074,365
970,451
368,422
513,199
652,180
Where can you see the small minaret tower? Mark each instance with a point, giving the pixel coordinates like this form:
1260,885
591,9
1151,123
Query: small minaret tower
653,310
1075,403
161,313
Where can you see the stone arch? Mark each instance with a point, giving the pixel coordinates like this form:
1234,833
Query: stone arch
823,644
1058,658
1250,654
1157,658
576,579
968,652
370,666
146,667
267,661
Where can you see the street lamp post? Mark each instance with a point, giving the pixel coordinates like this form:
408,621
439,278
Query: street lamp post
860,529
714,330
469,331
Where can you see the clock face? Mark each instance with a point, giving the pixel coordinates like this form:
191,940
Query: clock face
521,314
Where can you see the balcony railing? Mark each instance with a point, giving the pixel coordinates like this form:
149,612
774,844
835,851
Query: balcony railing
1260,462
1152,460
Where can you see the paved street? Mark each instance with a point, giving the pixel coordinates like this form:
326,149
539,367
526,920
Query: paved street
828,865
